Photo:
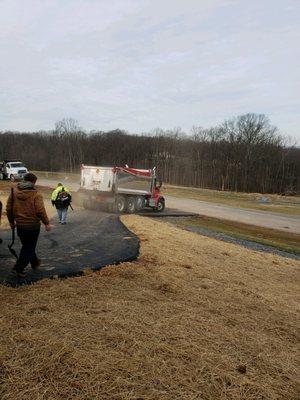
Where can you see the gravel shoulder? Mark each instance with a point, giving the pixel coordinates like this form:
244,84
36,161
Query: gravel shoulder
241,242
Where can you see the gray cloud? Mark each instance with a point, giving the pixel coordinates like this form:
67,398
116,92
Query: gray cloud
139,64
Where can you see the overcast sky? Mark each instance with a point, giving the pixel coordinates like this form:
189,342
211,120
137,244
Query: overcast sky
139,64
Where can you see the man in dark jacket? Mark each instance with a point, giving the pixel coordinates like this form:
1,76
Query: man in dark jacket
26,210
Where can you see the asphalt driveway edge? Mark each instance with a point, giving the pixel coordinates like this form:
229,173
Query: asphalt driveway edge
101,241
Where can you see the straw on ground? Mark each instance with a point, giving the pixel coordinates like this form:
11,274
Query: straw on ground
194,318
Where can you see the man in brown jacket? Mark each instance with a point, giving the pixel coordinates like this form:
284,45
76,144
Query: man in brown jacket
26,210
0,217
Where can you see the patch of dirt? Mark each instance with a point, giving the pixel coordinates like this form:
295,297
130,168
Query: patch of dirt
226,328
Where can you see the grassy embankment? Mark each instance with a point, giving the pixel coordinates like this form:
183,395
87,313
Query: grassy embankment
281,240
282,204
193,318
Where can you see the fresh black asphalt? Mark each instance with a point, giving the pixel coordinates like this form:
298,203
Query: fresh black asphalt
90,240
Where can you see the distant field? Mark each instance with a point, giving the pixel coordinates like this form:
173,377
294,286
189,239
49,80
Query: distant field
289,205
58,176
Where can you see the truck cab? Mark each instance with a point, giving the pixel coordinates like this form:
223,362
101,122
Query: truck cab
12,169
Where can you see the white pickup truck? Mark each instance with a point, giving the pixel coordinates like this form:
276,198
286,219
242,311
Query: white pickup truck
12,169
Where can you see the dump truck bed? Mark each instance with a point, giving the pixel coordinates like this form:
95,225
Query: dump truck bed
117,180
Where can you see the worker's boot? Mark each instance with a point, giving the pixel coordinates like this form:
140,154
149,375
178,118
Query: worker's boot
36,264
20,273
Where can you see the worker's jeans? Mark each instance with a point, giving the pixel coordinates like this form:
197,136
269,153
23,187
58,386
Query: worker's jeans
62,214
27,255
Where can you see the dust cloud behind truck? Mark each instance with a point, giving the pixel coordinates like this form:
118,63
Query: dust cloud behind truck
122,189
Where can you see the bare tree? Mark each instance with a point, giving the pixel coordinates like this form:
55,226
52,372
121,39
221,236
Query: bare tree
245,153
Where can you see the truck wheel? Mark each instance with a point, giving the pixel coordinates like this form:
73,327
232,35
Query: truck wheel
160,206
86,204
12,178
1,177
131,205
139,203
121,204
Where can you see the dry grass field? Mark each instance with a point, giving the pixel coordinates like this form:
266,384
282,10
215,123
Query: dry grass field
193,319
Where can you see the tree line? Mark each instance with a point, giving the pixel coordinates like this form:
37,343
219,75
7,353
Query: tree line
245,153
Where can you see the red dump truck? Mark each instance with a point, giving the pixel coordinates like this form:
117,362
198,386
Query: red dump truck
121,189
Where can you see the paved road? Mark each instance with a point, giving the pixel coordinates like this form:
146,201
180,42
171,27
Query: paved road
247,216
253,217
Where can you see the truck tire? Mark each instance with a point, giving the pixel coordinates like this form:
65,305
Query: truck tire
2,176
160,206
121,204
140,203
131,205
12,178
86,204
